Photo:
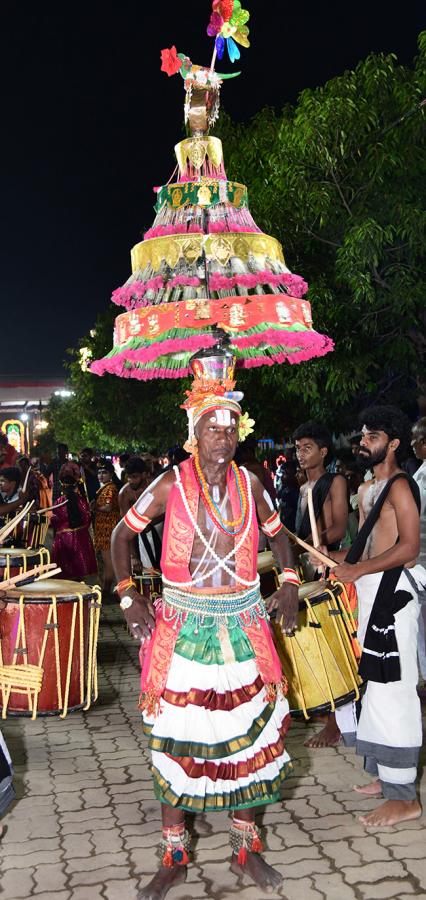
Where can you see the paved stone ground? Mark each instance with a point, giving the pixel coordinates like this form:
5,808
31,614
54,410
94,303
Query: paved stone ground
86,824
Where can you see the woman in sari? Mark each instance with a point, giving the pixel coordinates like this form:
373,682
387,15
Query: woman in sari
107,514
73,546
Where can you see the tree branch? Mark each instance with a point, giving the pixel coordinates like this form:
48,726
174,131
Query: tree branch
323,240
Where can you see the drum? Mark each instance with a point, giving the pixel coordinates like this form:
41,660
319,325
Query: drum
149,584
14,560
48,638
268,573
319,660
35,530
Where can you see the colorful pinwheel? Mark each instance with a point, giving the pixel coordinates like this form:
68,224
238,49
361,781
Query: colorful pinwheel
228,25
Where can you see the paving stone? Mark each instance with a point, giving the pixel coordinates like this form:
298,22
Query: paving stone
341,853
418,869
92,892
300,889
24,848
49,878
332,887
69,800
31,859
116,890
56,895
372,873
98,877
96,861
383,891
303,867
16,884
106,841
369,848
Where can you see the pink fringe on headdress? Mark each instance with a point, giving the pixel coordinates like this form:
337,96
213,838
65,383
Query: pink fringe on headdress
232,227
164,230
131,295
114,364
310,344
212,228
296,285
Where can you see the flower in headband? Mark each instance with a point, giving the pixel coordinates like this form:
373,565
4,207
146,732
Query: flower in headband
245,427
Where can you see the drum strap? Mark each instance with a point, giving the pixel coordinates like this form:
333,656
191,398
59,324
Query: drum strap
380,658
153,552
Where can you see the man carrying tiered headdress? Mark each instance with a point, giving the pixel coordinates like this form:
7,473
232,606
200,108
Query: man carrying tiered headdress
213,693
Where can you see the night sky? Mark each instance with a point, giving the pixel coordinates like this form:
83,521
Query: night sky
88,127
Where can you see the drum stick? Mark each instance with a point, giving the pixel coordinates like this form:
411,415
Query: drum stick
325,560
16,579
45,509
24,486
26,579
312,519
5,531
313,523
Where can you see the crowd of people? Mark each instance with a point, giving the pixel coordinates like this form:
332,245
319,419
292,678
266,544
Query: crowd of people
364,499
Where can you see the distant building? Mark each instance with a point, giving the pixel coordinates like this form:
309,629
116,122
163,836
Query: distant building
22,402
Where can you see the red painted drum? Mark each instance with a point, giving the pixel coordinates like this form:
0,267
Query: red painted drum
14,560
48,638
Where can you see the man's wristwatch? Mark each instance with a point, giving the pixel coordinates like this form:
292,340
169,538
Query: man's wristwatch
126,602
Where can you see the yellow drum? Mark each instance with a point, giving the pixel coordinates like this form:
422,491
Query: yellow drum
319,661
14,560
48,639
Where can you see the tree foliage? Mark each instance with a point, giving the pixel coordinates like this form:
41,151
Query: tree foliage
339,179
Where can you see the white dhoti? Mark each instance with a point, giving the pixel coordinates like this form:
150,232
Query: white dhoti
389,730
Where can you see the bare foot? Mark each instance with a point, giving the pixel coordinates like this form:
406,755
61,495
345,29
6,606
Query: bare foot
373,789
264,876
162,882
391,812
327,737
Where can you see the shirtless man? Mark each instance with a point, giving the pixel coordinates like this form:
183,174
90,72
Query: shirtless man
146,549
330,495
212,703
389,731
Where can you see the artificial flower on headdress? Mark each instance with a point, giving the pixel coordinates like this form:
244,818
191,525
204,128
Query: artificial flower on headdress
170,61
228,25
245,427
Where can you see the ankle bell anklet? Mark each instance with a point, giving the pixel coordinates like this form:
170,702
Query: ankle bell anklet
244,838
174,846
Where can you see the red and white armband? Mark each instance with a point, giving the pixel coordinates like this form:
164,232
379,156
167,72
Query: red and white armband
272,525
135,521
288,576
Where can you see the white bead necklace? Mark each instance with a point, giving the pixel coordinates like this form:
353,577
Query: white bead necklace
220,563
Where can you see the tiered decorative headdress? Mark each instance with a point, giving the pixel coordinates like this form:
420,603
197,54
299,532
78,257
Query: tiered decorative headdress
205,264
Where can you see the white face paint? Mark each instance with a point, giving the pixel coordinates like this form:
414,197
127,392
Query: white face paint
223,417
216,493
268,499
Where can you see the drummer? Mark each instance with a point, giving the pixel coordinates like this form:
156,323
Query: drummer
382,563
314,450
11,498
138,476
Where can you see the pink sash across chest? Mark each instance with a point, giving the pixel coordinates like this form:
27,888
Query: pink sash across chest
178,539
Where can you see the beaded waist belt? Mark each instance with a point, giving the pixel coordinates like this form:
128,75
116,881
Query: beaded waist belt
244,607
